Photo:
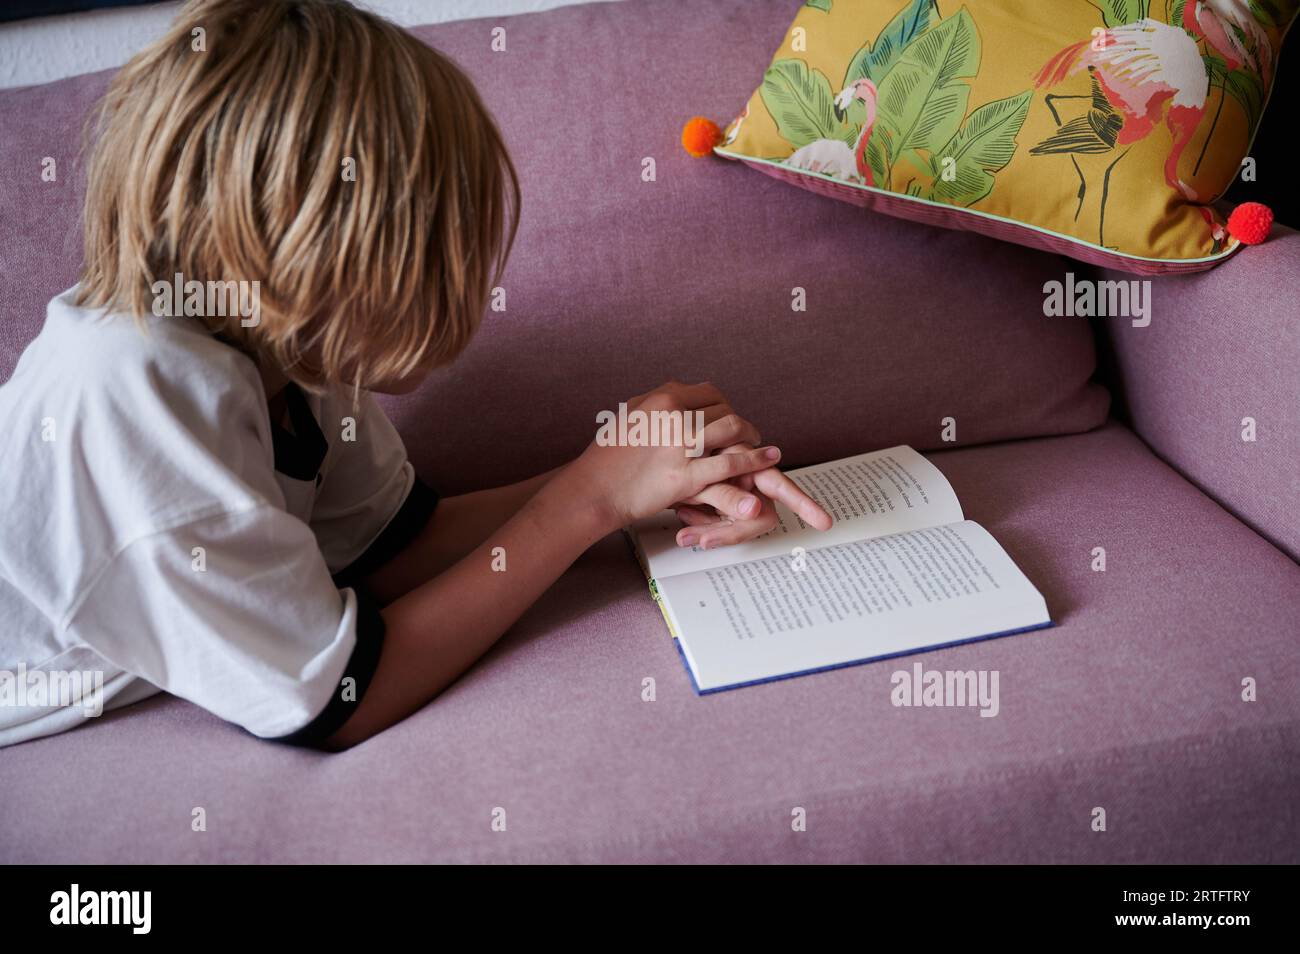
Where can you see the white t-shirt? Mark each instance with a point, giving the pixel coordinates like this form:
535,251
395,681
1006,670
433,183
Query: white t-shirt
160,532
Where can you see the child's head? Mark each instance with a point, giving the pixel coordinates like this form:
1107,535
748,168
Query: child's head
318,150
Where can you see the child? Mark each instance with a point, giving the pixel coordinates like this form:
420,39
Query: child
291,204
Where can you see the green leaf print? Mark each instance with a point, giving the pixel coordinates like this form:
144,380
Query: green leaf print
873,60
1118,12
1242,85
922,99
801,102
984,144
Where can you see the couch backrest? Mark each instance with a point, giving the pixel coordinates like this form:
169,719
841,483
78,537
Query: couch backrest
636,263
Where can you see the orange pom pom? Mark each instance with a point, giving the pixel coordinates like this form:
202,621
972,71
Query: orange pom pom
700,135
1250,223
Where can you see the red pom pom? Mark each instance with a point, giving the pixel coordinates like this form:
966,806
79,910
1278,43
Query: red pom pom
700,135
1250,223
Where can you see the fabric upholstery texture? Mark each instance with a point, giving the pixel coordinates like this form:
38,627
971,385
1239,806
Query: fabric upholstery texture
1223,347
1131,703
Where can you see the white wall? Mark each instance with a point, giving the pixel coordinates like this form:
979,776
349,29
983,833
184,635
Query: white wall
50,48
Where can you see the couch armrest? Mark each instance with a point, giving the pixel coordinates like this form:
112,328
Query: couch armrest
1223,346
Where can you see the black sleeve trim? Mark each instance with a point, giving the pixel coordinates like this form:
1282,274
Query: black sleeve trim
405,526
361,668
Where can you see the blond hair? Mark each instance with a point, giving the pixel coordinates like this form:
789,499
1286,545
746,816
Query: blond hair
222,151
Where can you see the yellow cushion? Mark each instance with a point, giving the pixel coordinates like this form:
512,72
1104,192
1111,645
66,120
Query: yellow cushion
1102,129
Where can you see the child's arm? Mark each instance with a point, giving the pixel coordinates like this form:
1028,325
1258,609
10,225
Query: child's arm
458,525
439,628
719,516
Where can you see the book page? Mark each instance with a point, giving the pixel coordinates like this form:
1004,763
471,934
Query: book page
848,603
885,491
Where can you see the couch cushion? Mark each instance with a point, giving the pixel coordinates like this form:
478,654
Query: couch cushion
1132,704
1010,118
618,283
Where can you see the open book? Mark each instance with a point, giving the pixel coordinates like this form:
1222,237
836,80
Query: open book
900,571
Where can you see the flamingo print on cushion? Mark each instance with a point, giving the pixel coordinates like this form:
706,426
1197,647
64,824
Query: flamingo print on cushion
733,130
1224,25
834,157
1142,66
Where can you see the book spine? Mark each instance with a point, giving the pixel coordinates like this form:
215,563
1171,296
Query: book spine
659,601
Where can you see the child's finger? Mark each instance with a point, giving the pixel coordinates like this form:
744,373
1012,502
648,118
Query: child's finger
728,533
729,430
729,500
778,486
722,467
745,481
690,536
696,516
715,411
694,396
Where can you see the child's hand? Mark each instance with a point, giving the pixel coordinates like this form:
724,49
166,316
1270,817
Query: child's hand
631,482
716,527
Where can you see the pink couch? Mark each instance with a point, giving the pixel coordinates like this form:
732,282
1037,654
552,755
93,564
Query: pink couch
1132,703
